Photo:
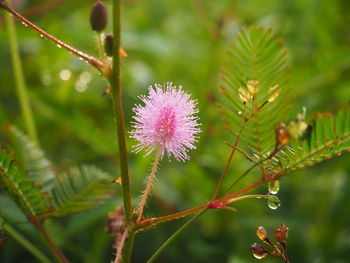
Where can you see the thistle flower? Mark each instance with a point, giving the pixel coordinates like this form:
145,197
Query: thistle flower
166,122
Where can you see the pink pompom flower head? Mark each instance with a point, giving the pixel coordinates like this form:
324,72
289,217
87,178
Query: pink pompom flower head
166,122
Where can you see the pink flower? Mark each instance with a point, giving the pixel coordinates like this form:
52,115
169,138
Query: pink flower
166,122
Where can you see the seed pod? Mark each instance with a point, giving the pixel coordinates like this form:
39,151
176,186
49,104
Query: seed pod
261,233
259,251
108,43
281,234
98,17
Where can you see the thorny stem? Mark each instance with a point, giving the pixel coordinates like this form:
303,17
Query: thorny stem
149,184
19,78
120,246
89,59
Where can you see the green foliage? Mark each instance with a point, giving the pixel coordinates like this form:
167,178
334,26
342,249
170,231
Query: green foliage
80,189
74,191
24,192
254,109
32,159
330,136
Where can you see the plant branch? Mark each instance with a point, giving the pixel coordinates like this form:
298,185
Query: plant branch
89,59
173,236
20,81
52,245
149,185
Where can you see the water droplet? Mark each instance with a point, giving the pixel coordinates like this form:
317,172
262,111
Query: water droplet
23,23
259,251
273,202
274,187
239,113
58,45
261,233
41,35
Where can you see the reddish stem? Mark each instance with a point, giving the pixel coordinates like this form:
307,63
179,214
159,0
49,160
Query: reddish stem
90,59
52,245
214,204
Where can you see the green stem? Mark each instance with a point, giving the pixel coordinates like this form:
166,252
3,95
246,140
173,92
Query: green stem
115,82
173,236
129,246
25,243
19,79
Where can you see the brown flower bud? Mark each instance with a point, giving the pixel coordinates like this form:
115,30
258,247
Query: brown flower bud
98,17
261,233
108,43
259,251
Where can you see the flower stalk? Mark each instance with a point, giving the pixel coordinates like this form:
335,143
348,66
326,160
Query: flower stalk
149,184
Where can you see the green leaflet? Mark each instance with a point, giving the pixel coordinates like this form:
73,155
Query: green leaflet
80,189
74,191
330,136
32,158
256,55
24,192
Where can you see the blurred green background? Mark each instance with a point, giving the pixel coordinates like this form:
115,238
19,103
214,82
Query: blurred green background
182,41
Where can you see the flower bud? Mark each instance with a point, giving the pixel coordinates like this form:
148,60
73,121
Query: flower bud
98,17
108,43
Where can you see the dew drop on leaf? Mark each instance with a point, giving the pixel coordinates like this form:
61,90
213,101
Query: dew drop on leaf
273,202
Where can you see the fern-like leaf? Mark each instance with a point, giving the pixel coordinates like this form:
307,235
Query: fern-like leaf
32,159
80,189
24,192
256,88
330,136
